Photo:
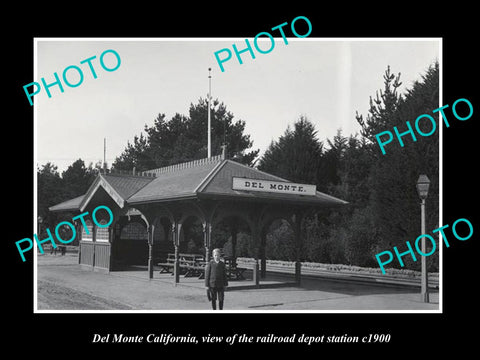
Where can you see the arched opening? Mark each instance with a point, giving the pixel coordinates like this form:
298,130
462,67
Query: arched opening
191,237
232,234
162,239
280,241
131,246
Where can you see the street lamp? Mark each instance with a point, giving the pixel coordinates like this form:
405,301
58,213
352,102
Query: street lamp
423,184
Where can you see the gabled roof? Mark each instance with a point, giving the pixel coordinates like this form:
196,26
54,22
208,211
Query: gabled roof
69,205
204,178
220,185
126,185
119,186
176,181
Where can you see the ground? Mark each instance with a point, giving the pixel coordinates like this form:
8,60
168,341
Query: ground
63,285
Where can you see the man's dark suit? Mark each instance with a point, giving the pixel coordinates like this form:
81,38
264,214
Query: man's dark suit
216,280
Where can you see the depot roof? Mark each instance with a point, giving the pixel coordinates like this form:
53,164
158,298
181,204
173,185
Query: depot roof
209,178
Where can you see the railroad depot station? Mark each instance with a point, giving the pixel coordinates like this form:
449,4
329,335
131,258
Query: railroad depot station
153,209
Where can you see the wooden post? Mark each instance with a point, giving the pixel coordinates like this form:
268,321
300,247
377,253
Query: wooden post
79,235
256,273
263,258
297,221
298,272
256,241
207,232
150,230
94,239
233,233
176,240
111,233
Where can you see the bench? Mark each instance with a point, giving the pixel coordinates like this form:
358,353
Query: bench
192,264
234,272
53,250
167,267
189,264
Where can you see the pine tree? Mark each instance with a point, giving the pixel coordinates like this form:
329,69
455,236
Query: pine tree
382,107
296,155
333,156
50,191
394,202
184,138
78,178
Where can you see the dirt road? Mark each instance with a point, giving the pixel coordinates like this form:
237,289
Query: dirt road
63,285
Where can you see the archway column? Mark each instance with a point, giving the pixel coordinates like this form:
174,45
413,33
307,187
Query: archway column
176,227
147,214
180,215
263,257
266,215
233,234
256,237
207,237
296,223
151,215
150,232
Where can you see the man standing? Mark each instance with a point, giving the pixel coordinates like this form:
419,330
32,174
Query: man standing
216,279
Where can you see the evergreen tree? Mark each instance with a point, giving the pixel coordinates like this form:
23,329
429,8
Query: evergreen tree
297,154
184,138
50,191
353,181
333,158
383,208
382,107
78,178
394,203
53,189
135,155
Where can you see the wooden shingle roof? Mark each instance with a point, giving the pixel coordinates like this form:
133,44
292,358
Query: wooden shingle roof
69,205
204,178
177,181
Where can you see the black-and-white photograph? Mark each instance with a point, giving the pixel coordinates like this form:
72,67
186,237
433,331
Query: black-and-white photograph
263,175
215,180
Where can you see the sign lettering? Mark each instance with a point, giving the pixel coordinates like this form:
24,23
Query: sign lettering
245,184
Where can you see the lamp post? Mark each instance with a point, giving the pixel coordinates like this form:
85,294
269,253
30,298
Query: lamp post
423,184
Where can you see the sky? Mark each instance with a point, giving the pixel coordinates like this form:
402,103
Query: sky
326,80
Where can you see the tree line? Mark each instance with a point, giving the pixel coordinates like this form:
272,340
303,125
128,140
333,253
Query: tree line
383,209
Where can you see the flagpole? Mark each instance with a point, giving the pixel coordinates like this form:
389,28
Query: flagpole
209,131
104,155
